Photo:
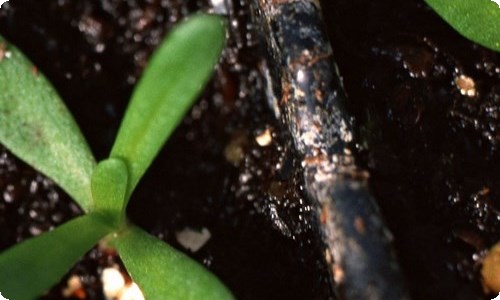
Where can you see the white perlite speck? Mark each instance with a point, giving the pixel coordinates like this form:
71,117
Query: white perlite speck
115,287
1,297
191,239
265,138
2,2
113,283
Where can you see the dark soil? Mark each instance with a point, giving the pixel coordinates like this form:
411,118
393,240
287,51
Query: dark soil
433,153
212,173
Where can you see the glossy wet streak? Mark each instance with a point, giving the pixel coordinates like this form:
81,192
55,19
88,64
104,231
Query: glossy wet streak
310,102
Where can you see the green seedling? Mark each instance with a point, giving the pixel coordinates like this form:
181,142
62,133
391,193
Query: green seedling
36,126
477,20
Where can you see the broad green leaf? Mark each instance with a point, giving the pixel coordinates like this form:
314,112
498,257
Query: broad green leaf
174,77
30,268
165,273
109,188
477,20
37,127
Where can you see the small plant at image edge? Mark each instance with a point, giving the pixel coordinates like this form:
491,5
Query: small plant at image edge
36,126
477,20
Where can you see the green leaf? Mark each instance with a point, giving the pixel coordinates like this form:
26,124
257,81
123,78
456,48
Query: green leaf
171,82
477,20
109,188
37,127
165,273
32,267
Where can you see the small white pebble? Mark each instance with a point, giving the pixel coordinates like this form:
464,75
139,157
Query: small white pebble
265,138
132,292
113,283
219,7
191,239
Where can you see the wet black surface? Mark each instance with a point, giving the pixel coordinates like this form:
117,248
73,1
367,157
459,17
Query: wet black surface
432,151
212,174
308,97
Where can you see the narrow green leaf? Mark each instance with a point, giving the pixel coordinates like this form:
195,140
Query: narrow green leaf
37,127
165,273
477,20
32,267
173,79
109,188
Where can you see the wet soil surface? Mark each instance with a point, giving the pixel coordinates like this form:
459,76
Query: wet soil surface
427,105
214,173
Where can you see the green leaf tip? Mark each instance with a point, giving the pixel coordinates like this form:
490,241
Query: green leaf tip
174,77
109,189
165,273
477,20
30,268
36,126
